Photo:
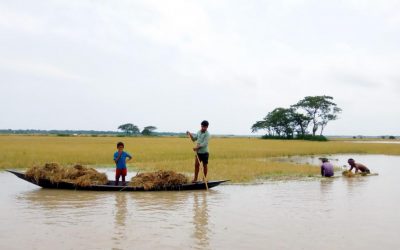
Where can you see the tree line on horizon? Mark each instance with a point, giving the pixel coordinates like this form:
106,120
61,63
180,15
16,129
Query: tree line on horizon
84,132
303,119
132,129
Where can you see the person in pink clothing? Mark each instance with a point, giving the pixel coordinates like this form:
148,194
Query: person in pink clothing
326,168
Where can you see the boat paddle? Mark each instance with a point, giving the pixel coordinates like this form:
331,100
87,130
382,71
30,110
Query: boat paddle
200,166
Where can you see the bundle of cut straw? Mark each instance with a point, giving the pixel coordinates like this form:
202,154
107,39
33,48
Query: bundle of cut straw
78,174
158,180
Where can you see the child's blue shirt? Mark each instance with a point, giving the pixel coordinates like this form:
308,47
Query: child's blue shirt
121,164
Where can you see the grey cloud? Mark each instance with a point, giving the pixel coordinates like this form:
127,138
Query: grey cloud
354,79
170,62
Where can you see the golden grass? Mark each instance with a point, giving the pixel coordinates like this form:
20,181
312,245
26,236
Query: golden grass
238,159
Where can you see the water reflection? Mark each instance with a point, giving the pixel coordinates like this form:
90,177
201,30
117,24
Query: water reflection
58,199
120,223
60,207
200,220
122,209
354,185
326,185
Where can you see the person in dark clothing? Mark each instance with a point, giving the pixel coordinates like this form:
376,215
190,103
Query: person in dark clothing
201,138
358,166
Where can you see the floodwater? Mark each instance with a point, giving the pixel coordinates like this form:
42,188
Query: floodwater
339,213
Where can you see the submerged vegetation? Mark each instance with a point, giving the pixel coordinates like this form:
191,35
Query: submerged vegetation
237,159
347,173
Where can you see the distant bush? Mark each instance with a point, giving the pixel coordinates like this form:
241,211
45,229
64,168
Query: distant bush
392,137
312,138
305,137
63,135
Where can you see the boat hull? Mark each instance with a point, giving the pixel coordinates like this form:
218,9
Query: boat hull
110,186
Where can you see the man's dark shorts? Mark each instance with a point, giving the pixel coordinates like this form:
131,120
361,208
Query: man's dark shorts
203,157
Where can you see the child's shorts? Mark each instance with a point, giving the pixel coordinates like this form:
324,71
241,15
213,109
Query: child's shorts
119,172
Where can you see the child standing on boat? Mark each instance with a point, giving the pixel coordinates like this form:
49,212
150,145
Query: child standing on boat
120,159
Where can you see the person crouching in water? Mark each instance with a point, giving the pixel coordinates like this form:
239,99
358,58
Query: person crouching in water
120,163
358,167
326,168
202,137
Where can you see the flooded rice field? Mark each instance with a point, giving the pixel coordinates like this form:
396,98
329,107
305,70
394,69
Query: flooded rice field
382,142
338,213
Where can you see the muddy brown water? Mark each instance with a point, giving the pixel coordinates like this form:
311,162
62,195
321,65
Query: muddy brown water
340,213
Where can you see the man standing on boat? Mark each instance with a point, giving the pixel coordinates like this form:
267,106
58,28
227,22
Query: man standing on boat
202,137
326,168
358,166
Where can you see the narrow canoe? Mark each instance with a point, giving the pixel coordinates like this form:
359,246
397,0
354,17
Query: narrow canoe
110,186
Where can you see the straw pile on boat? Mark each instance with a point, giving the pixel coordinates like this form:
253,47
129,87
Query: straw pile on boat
78,174
158,180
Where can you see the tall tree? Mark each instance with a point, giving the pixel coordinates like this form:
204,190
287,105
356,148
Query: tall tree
329,115
148,130
129,128
300,121
277,122
319,109
259,125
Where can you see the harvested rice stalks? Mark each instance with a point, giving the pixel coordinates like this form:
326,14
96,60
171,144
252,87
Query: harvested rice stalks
348,173
50,171
78,175
158,180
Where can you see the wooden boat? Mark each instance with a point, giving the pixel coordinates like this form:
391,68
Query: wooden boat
110,186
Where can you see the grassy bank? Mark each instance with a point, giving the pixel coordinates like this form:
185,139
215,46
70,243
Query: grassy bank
238,159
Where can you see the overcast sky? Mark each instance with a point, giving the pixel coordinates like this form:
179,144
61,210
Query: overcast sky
68,64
